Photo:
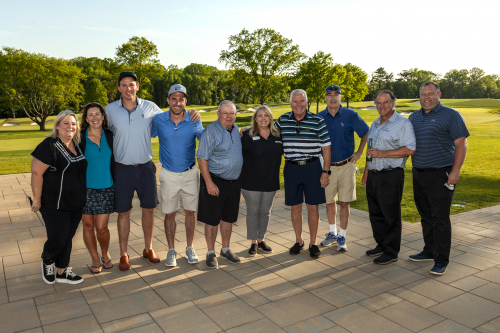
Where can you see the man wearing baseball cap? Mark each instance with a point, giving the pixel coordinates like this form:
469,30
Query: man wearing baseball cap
341,123
179,175
130,118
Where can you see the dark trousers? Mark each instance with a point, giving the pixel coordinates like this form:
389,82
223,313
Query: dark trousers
384,191
433,202
61,226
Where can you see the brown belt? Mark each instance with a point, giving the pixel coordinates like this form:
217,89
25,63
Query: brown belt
134,165
384,170
342,162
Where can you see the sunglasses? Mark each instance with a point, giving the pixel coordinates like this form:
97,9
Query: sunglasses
30,201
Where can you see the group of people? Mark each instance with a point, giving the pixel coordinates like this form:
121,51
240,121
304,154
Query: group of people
84,173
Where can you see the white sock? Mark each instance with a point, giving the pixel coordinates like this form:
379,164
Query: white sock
225,249
333,228
342,232
209,252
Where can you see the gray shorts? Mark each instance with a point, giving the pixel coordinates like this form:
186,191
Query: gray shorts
141,179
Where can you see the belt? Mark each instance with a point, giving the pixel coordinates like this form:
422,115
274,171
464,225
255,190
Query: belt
384,170
431,169
303,162
220,178
344,162
133,165
190,167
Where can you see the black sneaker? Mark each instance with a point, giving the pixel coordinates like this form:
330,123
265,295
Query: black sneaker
314,251
295,249
48,273
229,255
68,277
212,261
253,250
264,247
384,260
375,252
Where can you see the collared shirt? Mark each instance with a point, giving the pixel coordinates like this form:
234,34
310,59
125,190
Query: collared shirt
222,149
306,144
341,129
436,132
132,131
394,133
177,142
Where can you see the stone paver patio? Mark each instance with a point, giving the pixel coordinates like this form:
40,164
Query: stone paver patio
339,292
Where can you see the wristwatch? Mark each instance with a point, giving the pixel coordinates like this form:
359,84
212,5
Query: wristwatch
329,172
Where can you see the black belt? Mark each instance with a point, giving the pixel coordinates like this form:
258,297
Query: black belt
190,167
132,165
302,162
432,169
220,178
384,170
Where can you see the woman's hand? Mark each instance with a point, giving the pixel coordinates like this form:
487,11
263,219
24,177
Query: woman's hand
35,207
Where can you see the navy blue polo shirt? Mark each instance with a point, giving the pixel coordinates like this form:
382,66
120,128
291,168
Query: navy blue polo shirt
436,132
341,129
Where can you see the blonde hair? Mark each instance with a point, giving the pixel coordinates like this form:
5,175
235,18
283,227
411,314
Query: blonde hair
60,117
255,128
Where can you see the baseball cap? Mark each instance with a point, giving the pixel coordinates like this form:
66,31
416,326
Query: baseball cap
332,87
177,88
127,74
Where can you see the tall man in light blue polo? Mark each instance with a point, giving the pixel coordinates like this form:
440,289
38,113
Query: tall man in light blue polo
341,123
441,149
179,176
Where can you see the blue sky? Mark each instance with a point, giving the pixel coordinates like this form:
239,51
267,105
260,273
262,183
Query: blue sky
434,35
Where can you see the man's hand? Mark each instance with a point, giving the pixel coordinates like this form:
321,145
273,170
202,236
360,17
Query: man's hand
453,177
356,156
212,189
374,152
324,180
195,115
243,130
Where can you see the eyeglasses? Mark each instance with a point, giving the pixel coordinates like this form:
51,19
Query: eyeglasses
297,127
230,114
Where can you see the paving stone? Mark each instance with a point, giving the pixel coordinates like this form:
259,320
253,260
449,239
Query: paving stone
126,286
490,274
433,289
294,309
94,294
216,281
469,283
448,326
276,289
380,301
490,327
29,290
174,318
63,310
315,283
468,310
57,297
413,297
489,291
141,320
83,324
312,325
308,270
410,316
253,275
232,314
475,261
398,275
247,294
339,294
19,316
260,326
180,293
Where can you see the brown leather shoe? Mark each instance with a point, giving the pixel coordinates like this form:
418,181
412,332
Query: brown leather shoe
124,263
151,255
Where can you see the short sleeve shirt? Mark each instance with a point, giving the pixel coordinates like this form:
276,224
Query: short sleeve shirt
341,129
302,139
261,162
98,163
222,149
436,132
394,133
64,184
132,131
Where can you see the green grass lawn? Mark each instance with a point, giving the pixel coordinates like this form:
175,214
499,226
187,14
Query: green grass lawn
480,178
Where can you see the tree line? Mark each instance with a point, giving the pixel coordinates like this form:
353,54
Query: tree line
261,67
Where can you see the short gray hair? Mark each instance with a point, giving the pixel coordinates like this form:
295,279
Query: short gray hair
298,91
430,83
225,102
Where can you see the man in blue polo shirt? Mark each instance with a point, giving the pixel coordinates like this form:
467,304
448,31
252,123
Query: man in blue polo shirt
179,175
305,138
441,137
341,123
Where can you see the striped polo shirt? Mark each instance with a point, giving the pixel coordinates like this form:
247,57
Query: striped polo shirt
306,144
436,132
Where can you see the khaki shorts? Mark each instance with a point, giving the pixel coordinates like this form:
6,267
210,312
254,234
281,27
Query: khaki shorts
343,182
175,183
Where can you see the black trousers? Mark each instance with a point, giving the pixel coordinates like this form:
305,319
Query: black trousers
61,226
433,202
384,191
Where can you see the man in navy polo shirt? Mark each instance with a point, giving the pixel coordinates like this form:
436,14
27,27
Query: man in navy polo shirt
179,175
441,137
341,123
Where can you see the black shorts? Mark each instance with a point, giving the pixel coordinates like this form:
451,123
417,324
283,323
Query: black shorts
129,178
303,181
225,207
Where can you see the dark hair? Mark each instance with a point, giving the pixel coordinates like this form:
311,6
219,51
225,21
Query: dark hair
430,83
385,91
127,74
85,123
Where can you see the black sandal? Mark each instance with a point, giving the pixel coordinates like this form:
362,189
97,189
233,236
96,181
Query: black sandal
95,267
106,263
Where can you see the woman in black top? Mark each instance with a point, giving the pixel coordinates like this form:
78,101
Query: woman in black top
97,146
58,185
262,150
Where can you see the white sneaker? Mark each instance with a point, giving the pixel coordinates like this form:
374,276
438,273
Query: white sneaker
341,244
171,258
191,256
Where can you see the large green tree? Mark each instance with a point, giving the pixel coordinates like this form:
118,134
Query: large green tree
354,87
38,84
261,61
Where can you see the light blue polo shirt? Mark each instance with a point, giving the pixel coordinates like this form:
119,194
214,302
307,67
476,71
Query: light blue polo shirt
222,150
177,142
132,131
98,163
